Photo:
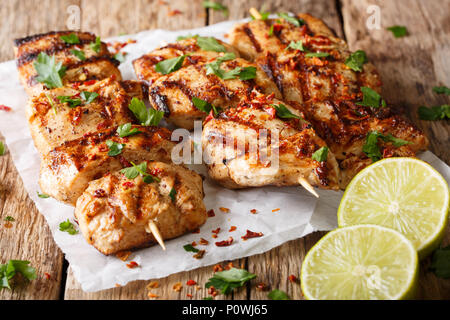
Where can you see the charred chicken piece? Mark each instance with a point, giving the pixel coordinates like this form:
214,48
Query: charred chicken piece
83,57
114,212
256,145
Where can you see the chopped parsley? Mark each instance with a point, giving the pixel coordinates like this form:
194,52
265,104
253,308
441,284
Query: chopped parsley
210,44
398,31
271,31
292,20
13,267
79,54
72,103
216,7
96,45
147,117
140,169
50,100
278,295
9,218
434,113
321,154
68,227
317,54
371,98
371,148
356,60
172,194
190,248
227,280
49,71
126,130
284,112
2,148
42,195
114,148
88,97
70,38
169,65
245,73
440,262
442,90
298,45
204,106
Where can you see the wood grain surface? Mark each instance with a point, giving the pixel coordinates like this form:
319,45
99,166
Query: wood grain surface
409,67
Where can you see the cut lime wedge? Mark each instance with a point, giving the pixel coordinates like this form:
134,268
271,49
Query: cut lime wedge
404,194
364,262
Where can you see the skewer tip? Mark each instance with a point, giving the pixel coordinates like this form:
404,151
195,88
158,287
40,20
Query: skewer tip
153,229
305,184
255,13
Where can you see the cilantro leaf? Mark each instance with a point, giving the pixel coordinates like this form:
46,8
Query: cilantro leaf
50,100
247,73
371,98
271,31
317,54
114,148
97,45
292,20
13,267
440,262
140,169
356,60
283,112
42,195
119,57
2,148
88,97
125,130
70,38
9,218
172,194
434,113
147,117
79,54
442,90
49,72
321,154
68,227
398,31
227,280
216,7
188,36
278,295
210,44
202,105
169,65
371,148
296,45
72,103
190,248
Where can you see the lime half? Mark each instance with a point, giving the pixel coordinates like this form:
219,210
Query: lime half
365,262
404,194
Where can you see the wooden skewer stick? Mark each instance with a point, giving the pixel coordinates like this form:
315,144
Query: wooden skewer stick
155,231
255,13
307,186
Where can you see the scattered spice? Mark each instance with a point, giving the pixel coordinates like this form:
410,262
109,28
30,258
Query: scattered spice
123,255
128,184
211,213
99,193
253,211
172,13
189,295
275,210
8,224
217,268
251,234
191,283
212,291
203,242
47,275
4,108
152,285
232,228
229,266
225,243
216,231
261,286
132,264
226,210
152,295
199,254
194,244
293,278
177,287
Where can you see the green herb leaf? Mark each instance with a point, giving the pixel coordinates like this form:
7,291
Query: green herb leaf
88,97
321,154
9,218
434,113
440,262
72,103
114,148
42,195
119,57
397,142
50,100
49,72
264,16
283,112
68,227
278,295
13,267
147,117
296,45
97,45
398,31
317,54
2,148
216,7
188,36
79,54
70,38
247,73
356,60
442,90
169,65
227,280
271,31
371,98
202,105
172,194
210,44
208,298
371,148
190,248
140,169
126,130
292,20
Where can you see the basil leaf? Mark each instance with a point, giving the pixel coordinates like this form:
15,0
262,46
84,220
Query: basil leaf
190,248
356,60
147,117
278,295
292,20
97,45
88,97
227,280
114,148
2,148
442,90
283,112
172,194
398,31
371,98
49,72
125,130
68,227
434,113
440,262
71,38
42,195
72,103
216,7
317,54
79,54
320,154
169,65
210,44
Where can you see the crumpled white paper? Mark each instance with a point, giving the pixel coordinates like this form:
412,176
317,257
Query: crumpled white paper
299,214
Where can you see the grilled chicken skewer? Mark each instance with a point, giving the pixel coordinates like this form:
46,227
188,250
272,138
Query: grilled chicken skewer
309,66
116,213
82,56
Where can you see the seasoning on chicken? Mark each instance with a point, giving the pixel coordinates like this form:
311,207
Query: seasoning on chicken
67,113
67,169
62,57
115,212
240,154
312,69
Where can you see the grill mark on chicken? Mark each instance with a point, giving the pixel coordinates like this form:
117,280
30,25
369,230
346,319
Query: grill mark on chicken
252,38
21,41
160,100
271,68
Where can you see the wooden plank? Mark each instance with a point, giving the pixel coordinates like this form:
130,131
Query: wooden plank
29,238
409,68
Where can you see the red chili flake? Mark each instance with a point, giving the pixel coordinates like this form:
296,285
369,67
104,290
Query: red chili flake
194,244
217,268
75,85
132,265
211,213
123,255
271,111
4,108
47,275
196,230
251,234
103,148
209,117
128,184
200,254
229,266
189,295
102,125
191,283
177,287
203,242
233,228
261,286
253,211
152,295
155,172
275,210
99,193
212,291
216,231
124,162
174,13
225,243
8,225
292,278
214,236
89,82
226,210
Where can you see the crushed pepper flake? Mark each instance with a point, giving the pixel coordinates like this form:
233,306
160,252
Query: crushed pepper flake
203,242
132,264
199,254
253,211
217,268
123,255
261,286
226,210
251,234
47,275
175,12
275,210
4,108
194,244
229,266
211,213
177,287
214,236
216,231
292,278
212,291
191,282
152,295
232,228
8,224
225,243
152,285
189,295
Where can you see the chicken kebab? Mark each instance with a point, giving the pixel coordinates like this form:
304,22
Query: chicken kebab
101,148
337,90
198,78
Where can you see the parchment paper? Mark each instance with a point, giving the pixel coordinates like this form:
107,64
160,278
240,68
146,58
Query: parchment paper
299,214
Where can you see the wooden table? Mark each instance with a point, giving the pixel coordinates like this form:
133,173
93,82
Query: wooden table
409,67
